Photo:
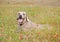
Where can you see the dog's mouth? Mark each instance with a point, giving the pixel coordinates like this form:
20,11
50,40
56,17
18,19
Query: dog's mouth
20,20
20,17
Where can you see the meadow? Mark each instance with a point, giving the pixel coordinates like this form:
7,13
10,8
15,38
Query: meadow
37,14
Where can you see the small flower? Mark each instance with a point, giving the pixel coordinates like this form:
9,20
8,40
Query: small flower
59,40
56,35
38,33
27,36
20,36
1,34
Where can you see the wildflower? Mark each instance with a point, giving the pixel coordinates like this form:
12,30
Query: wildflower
38,33
20,36
27,36
59,40
56,35
1,34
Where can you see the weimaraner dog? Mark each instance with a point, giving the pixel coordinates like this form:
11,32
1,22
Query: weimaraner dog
25,24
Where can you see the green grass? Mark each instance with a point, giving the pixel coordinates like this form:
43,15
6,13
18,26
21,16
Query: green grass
44,15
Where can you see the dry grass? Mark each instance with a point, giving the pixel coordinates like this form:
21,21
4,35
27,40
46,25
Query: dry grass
44,15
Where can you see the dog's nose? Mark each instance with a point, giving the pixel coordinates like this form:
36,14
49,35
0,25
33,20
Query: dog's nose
20,17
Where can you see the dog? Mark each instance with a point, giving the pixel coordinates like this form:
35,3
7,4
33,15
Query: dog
25,24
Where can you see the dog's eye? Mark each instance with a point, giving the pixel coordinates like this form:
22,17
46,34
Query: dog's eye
18,13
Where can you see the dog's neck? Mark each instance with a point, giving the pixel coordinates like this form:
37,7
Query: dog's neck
21,24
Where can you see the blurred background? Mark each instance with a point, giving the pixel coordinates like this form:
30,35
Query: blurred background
32,2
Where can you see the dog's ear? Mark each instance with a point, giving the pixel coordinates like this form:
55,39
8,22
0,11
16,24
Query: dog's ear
27,19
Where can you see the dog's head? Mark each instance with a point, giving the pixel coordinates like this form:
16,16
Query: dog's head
22,18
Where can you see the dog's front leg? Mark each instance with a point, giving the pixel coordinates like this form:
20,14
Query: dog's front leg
19,29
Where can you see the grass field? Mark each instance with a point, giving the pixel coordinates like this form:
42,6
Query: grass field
44,15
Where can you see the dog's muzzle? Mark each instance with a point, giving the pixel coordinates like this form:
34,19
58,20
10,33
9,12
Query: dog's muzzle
20,17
